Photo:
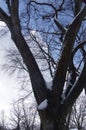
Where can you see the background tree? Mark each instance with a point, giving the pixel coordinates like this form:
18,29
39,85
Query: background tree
23,117
3,121
69,77
78,115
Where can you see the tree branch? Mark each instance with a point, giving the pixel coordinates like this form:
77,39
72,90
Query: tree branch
62,65
47,4
80,45
37,80
76,89
5,18
15,15
61,28
8,5
77,6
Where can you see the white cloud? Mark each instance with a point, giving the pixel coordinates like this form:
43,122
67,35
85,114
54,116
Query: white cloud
8,91
8,85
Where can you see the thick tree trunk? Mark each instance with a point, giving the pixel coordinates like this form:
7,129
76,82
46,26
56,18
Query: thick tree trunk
53,125
51,122
53,117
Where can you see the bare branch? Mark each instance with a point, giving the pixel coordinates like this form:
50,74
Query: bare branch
77,88
47,4
61,28
37,79
70,36
77,6
5,18
8,5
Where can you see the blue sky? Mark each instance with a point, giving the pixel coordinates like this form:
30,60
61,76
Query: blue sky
3,5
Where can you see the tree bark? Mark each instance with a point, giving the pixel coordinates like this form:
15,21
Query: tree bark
54,116
51,124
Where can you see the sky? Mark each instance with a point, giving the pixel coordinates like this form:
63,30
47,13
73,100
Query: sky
8,84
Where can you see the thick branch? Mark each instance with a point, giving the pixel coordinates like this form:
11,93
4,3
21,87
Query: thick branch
61,28
79,46
70,36
76,89
72,69
5,18
15,14
9,6
77,6
38,83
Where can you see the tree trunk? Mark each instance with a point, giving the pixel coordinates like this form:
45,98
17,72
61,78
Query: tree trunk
49,120
53,125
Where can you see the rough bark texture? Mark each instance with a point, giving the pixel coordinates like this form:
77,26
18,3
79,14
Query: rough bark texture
55,115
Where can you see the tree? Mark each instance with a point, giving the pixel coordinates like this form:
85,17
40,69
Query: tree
16,117
78,115
54,105
3,123
22,117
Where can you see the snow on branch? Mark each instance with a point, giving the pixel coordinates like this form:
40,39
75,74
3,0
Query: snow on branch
49,85
43,105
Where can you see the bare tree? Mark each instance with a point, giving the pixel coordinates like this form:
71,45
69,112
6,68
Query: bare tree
78,115
15,118
69,78
3,121
22,117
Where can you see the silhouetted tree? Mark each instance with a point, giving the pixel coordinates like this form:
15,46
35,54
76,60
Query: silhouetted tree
68,80
78,115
